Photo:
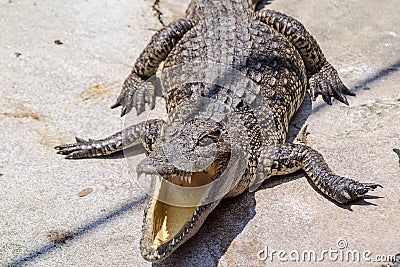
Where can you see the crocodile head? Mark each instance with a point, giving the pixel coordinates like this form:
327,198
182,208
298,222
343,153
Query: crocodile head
183,165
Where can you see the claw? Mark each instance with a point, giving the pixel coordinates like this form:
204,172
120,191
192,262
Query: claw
327,98
397,151
327,83
65,146
153,102
150,97
340,98
80,140
349,190
346,91
346,195
74,150
116,104
365,187
314,95
140,109
124,111
372,186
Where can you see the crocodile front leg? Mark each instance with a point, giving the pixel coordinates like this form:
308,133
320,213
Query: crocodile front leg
323,78
287,158
146,132
133,93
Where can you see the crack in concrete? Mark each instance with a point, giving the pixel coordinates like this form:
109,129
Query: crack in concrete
158,12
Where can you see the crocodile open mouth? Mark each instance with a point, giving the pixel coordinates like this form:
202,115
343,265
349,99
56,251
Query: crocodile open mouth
170,219
168,223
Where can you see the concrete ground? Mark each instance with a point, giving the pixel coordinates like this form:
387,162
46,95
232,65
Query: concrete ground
62,64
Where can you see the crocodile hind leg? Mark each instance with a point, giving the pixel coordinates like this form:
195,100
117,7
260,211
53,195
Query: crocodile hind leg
146,132
287,158
133,93
323,78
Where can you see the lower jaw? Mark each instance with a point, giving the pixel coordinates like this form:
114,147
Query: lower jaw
166,227
168,224
155,250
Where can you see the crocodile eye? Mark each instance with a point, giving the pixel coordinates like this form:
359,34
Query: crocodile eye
215,135
209,138
205,141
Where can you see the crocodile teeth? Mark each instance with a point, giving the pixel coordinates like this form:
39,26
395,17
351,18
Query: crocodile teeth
186,178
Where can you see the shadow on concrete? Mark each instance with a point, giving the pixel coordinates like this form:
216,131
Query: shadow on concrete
77,233
228,220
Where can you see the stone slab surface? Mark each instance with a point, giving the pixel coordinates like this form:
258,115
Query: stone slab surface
62,64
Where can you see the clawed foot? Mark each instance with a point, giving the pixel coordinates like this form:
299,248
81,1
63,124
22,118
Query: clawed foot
327,83
80,149
353,190
135,93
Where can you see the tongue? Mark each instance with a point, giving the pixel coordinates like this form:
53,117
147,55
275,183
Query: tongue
168,221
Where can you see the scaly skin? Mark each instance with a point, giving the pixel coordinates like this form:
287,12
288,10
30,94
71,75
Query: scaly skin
323,78
146,66
267,60
146,132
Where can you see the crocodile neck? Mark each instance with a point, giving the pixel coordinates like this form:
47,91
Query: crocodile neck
226,7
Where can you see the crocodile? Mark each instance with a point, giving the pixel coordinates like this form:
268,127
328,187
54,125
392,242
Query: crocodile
235,73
